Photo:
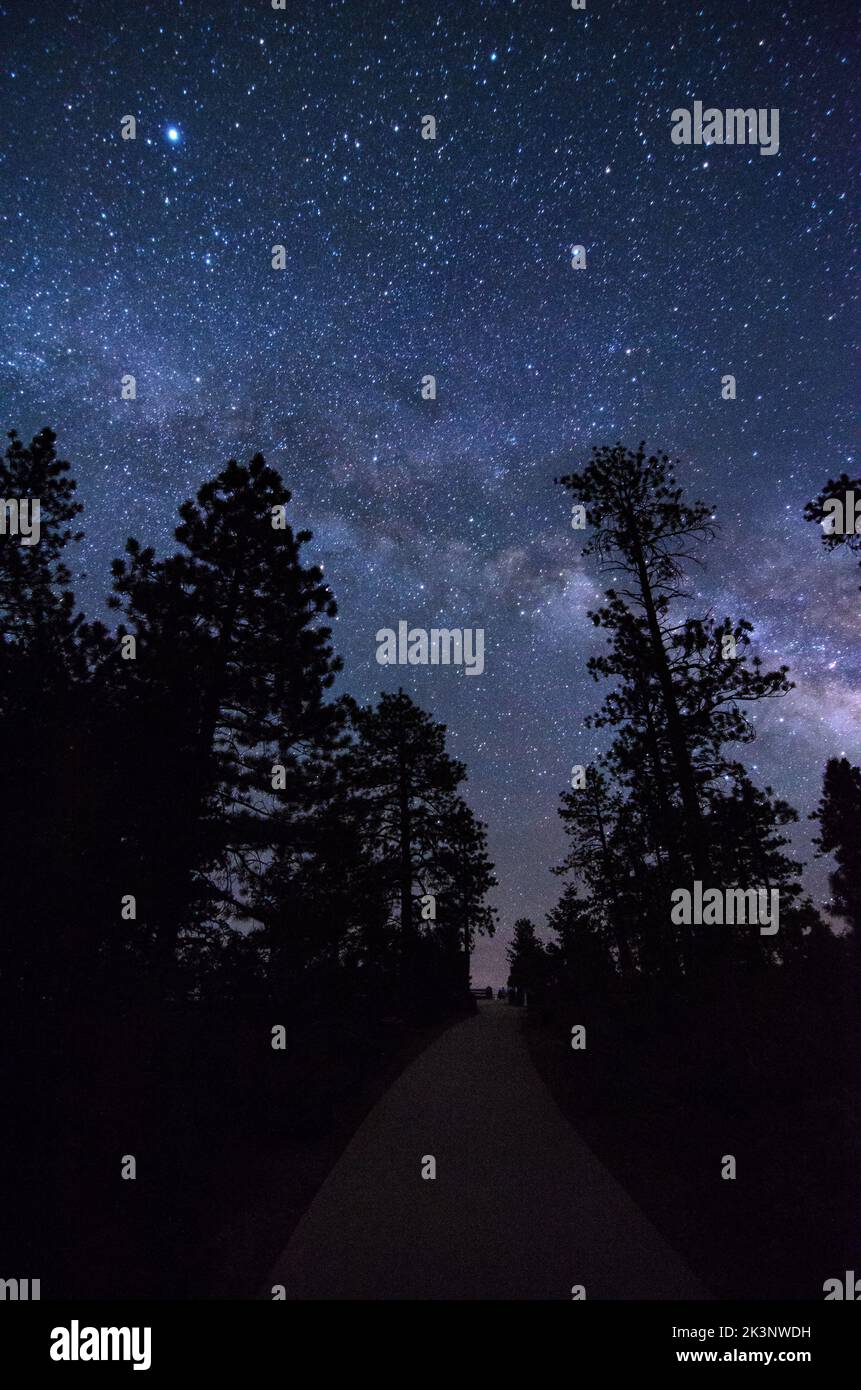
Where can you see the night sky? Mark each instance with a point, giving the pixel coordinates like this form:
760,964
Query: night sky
405,257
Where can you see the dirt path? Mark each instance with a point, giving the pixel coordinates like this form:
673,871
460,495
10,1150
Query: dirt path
520,1208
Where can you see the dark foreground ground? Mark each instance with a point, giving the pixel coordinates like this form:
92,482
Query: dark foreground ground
234,1143
668,1084
231,1141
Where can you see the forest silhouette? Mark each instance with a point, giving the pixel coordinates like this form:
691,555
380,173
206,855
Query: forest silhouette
702,1038
231,893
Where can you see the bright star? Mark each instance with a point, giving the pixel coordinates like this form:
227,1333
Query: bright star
172,134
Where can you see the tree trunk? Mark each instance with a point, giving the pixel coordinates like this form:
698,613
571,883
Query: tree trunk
406,864
675,732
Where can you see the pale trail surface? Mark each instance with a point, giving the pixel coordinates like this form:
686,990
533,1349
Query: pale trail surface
520,1208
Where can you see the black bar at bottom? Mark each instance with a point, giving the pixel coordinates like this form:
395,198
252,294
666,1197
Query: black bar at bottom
254,1338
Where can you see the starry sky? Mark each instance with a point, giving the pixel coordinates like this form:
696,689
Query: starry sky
406,256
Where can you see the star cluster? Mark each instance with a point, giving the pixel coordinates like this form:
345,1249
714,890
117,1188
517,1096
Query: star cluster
404,256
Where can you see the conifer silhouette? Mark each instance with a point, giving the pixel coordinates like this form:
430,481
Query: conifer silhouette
669,801
839,816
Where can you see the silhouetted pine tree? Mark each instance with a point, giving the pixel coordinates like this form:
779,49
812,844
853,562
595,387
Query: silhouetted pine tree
583,954
839,810
324,900
465,880
678,703
420,835
750,851
839,816
596,908
815,511
644,529
526,961
233,661
41,674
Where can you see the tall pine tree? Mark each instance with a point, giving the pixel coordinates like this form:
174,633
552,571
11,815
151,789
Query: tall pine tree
839,816
233,661
682,805
425,841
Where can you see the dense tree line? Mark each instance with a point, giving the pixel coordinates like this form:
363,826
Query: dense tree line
669,801
188,807
839,810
